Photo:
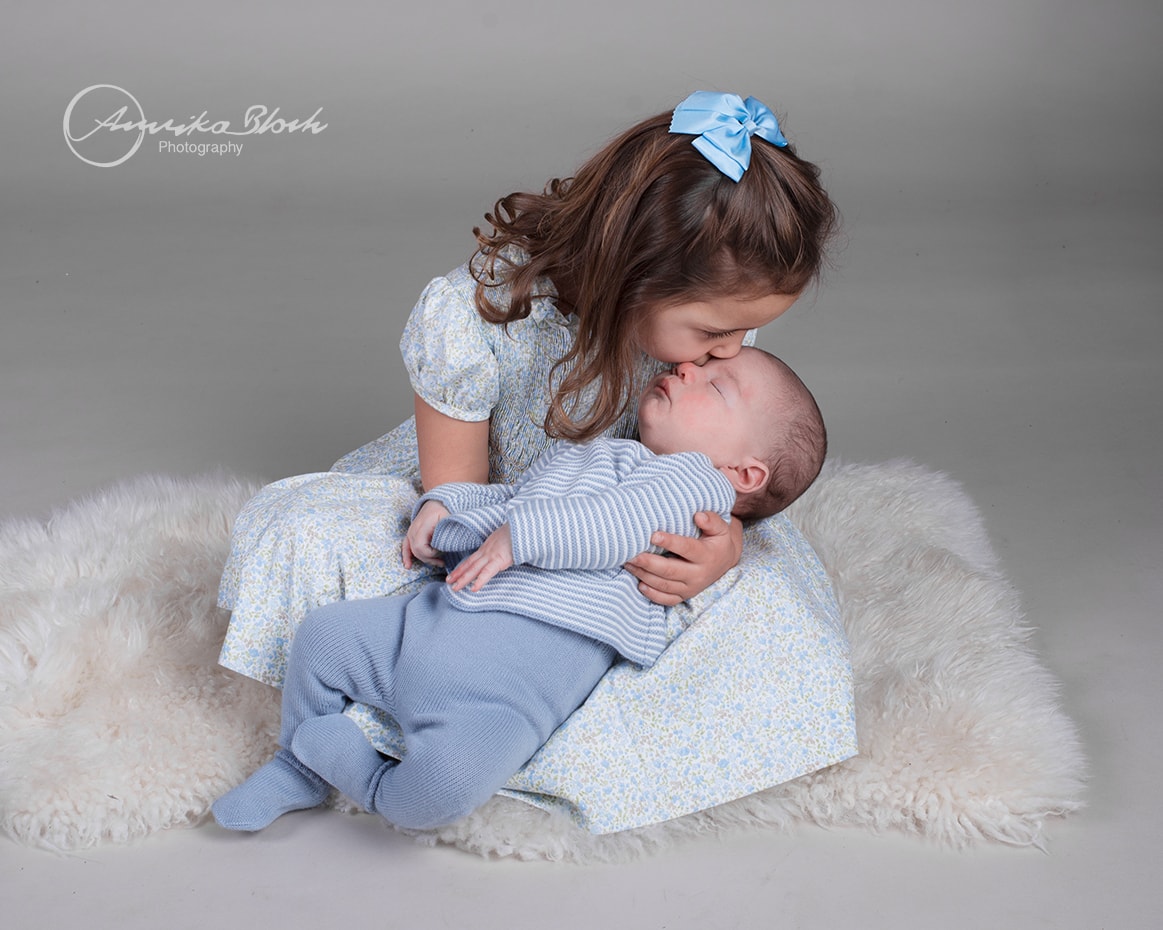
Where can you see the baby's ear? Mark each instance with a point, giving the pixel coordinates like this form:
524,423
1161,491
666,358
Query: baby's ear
748,476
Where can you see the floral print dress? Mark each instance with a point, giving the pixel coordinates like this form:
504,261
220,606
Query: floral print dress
757,690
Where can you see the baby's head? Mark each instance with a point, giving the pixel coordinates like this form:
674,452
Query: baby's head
751,415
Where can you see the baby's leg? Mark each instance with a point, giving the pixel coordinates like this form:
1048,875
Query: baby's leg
478,694
342,651
282,785
336,749
452,769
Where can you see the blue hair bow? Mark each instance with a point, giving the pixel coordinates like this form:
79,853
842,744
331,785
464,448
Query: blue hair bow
724,125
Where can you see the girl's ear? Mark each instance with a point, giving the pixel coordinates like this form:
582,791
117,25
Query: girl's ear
748,476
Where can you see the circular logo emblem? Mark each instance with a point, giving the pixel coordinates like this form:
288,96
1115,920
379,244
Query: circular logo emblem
104,125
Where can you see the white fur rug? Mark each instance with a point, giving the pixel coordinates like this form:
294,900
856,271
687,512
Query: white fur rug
115,720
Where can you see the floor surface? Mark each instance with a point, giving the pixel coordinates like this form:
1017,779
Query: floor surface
996,312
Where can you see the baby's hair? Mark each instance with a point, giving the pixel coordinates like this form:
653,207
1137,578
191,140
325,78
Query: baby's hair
648,223
796,445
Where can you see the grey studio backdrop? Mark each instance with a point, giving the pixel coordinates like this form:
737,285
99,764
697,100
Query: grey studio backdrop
993,310
179,312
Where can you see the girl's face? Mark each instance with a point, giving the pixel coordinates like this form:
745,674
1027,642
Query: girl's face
705,329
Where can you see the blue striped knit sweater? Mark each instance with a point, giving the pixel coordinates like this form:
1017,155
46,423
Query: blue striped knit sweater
582,511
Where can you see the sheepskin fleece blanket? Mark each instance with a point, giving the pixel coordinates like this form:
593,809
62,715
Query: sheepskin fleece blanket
115,720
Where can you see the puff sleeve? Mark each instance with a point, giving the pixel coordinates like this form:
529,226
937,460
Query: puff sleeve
448,351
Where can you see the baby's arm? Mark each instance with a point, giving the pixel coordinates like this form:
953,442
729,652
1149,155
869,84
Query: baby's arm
494,555
479,510
459,516
599,530
606,529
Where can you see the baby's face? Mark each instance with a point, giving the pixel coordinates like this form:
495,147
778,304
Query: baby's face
716,408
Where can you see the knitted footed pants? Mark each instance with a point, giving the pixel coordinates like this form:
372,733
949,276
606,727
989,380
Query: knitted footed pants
476,694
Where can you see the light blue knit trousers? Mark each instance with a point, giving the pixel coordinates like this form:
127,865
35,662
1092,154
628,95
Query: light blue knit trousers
475,695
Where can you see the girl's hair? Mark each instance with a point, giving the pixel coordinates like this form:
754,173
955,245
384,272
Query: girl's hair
645,224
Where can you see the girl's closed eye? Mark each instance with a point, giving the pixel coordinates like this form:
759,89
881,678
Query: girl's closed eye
707,334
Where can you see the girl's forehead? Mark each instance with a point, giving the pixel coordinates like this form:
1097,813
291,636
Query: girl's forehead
729,312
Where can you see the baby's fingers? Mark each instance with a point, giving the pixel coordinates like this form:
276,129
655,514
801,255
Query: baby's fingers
461,575
473,573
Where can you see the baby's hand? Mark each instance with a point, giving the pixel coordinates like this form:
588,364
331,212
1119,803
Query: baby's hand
494,555
418,542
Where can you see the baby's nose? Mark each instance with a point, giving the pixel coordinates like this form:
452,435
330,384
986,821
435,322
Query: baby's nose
686,370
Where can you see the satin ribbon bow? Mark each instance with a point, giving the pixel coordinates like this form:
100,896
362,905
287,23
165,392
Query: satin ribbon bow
724,125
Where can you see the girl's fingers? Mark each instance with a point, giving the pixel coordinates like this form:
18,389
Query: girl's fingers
420,554
661,589
685,547
696,548
658,596
711,523
653,568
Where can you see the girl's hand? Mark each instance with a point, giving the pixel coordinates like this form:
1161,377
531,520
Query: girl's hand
699,564
418,542
494,556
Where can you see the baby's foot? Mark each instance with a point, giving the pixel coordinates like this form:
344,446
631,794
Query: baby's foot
335,747
280,786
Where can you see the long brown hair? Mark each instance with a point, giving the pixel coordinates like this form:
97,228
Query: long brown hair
648,223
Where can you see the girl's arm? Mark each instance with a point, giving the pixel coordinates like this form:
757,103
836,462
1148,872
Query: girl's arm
450,450
700,563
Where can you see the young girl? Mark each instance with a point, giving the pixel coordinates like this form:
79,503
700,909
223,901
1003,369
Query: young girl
672,244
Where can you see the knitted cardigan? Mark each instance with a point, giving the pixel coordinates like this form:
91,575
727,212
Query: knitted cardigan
578,514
